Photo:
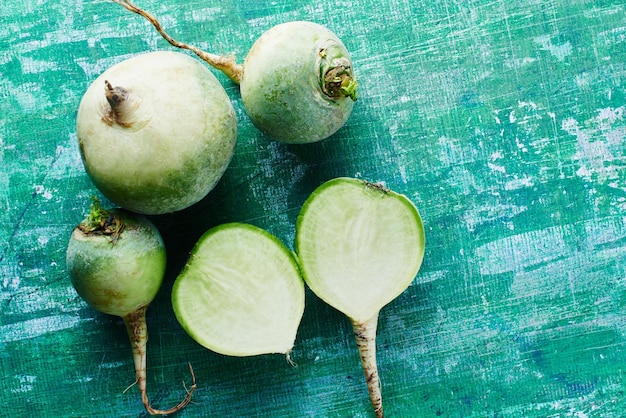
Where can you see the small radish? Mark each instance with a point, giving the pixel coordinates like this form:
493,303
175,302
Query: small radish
156,132
116,261
240,293
360,246
297,83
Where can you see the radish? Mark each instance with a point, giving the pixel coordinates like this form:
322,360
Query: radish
156,132
240,293
116,261
359,246
297,84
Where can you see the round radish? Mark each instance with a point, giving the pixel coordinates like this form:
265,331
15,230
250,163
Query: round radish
297,82
116,261
156,132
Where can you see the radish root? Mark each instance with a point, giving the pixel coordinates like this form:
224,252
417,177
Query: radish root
225,64
365,334
137,328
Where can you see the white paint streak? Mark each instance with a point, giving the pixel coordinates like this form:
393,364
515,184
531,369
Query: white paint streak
11,283
521,251
452,152
36,327
501,212
26,383
430,276
497,168
519,62
613,36
267,22
560,52
111,365
32,299
33,66
518,183
41,190
529,104
67,161
584,80
608,116
600,142
206,14
94,68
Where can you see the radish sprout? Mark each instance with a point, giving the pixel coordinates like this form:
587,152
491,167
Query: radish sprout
116,262
359,246
297,83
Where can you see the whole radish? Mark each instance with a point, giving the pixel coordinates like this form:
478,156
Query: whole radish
116,261
156,132
297,82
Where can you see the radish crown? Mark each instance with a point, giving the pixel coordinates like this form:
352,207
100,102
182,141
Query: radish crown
101,222
336,76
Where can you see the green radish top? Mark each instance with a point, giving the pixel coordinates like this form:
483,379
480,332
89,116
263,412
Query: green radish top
240,293
359,245
336,77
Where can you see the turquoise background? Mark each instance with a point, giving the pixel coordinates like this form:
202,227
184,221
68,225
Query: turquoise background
503,121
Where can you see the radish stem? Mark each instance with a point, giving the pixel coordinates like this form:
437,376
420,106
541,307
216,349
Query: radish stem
138,333
117,97
365,334
227,64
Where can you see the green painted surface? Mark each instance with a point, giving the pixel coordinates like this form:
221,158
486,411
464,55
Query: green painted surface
504,121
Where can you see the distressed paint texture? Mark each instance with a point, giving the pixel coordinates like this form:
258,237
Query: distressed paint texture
504,121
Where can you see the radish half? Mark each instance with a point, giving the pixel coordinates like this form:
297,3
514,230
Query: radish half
240,293
360,246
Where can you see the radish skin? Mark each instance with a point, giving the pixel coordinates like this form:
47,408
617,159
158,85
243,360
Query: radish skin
365,334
